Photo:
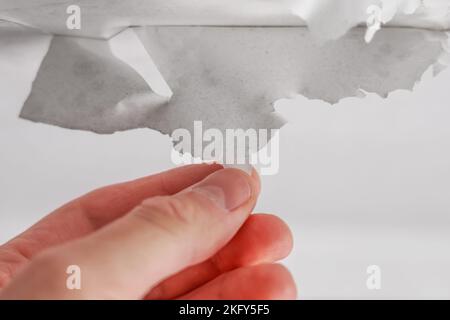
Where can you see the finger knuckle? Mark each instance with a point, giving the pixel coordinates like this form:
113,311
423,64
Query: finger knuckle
168,207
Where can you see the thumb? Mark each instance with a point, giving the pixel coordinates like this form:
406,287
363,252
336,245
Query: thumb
159,238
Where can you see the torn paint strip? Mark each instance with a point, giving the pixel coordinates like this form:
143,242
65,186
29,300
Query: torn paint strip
127,47
262,65
167,77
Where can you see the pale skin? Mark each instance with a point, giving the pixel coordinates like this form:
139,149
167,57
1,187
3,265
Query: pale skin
188,233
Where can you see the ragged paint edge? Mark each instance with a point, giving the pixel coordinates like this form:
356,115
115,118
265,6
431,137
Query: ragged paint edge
441,64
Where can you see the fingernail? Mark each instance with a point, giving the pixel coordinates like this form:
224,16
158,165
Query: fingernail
228,188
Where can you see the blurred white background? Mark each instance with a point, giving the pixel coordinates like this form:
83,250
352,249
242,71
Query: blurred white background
365,182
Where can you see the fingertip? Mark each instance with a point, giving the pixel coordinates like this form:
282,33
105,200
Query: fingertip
280,233
229,188
257,180
275,282
252,178
287,289
266,239
261,282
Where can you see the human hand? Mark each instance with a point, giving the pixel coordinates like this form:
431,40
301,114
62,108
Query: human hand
186,233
